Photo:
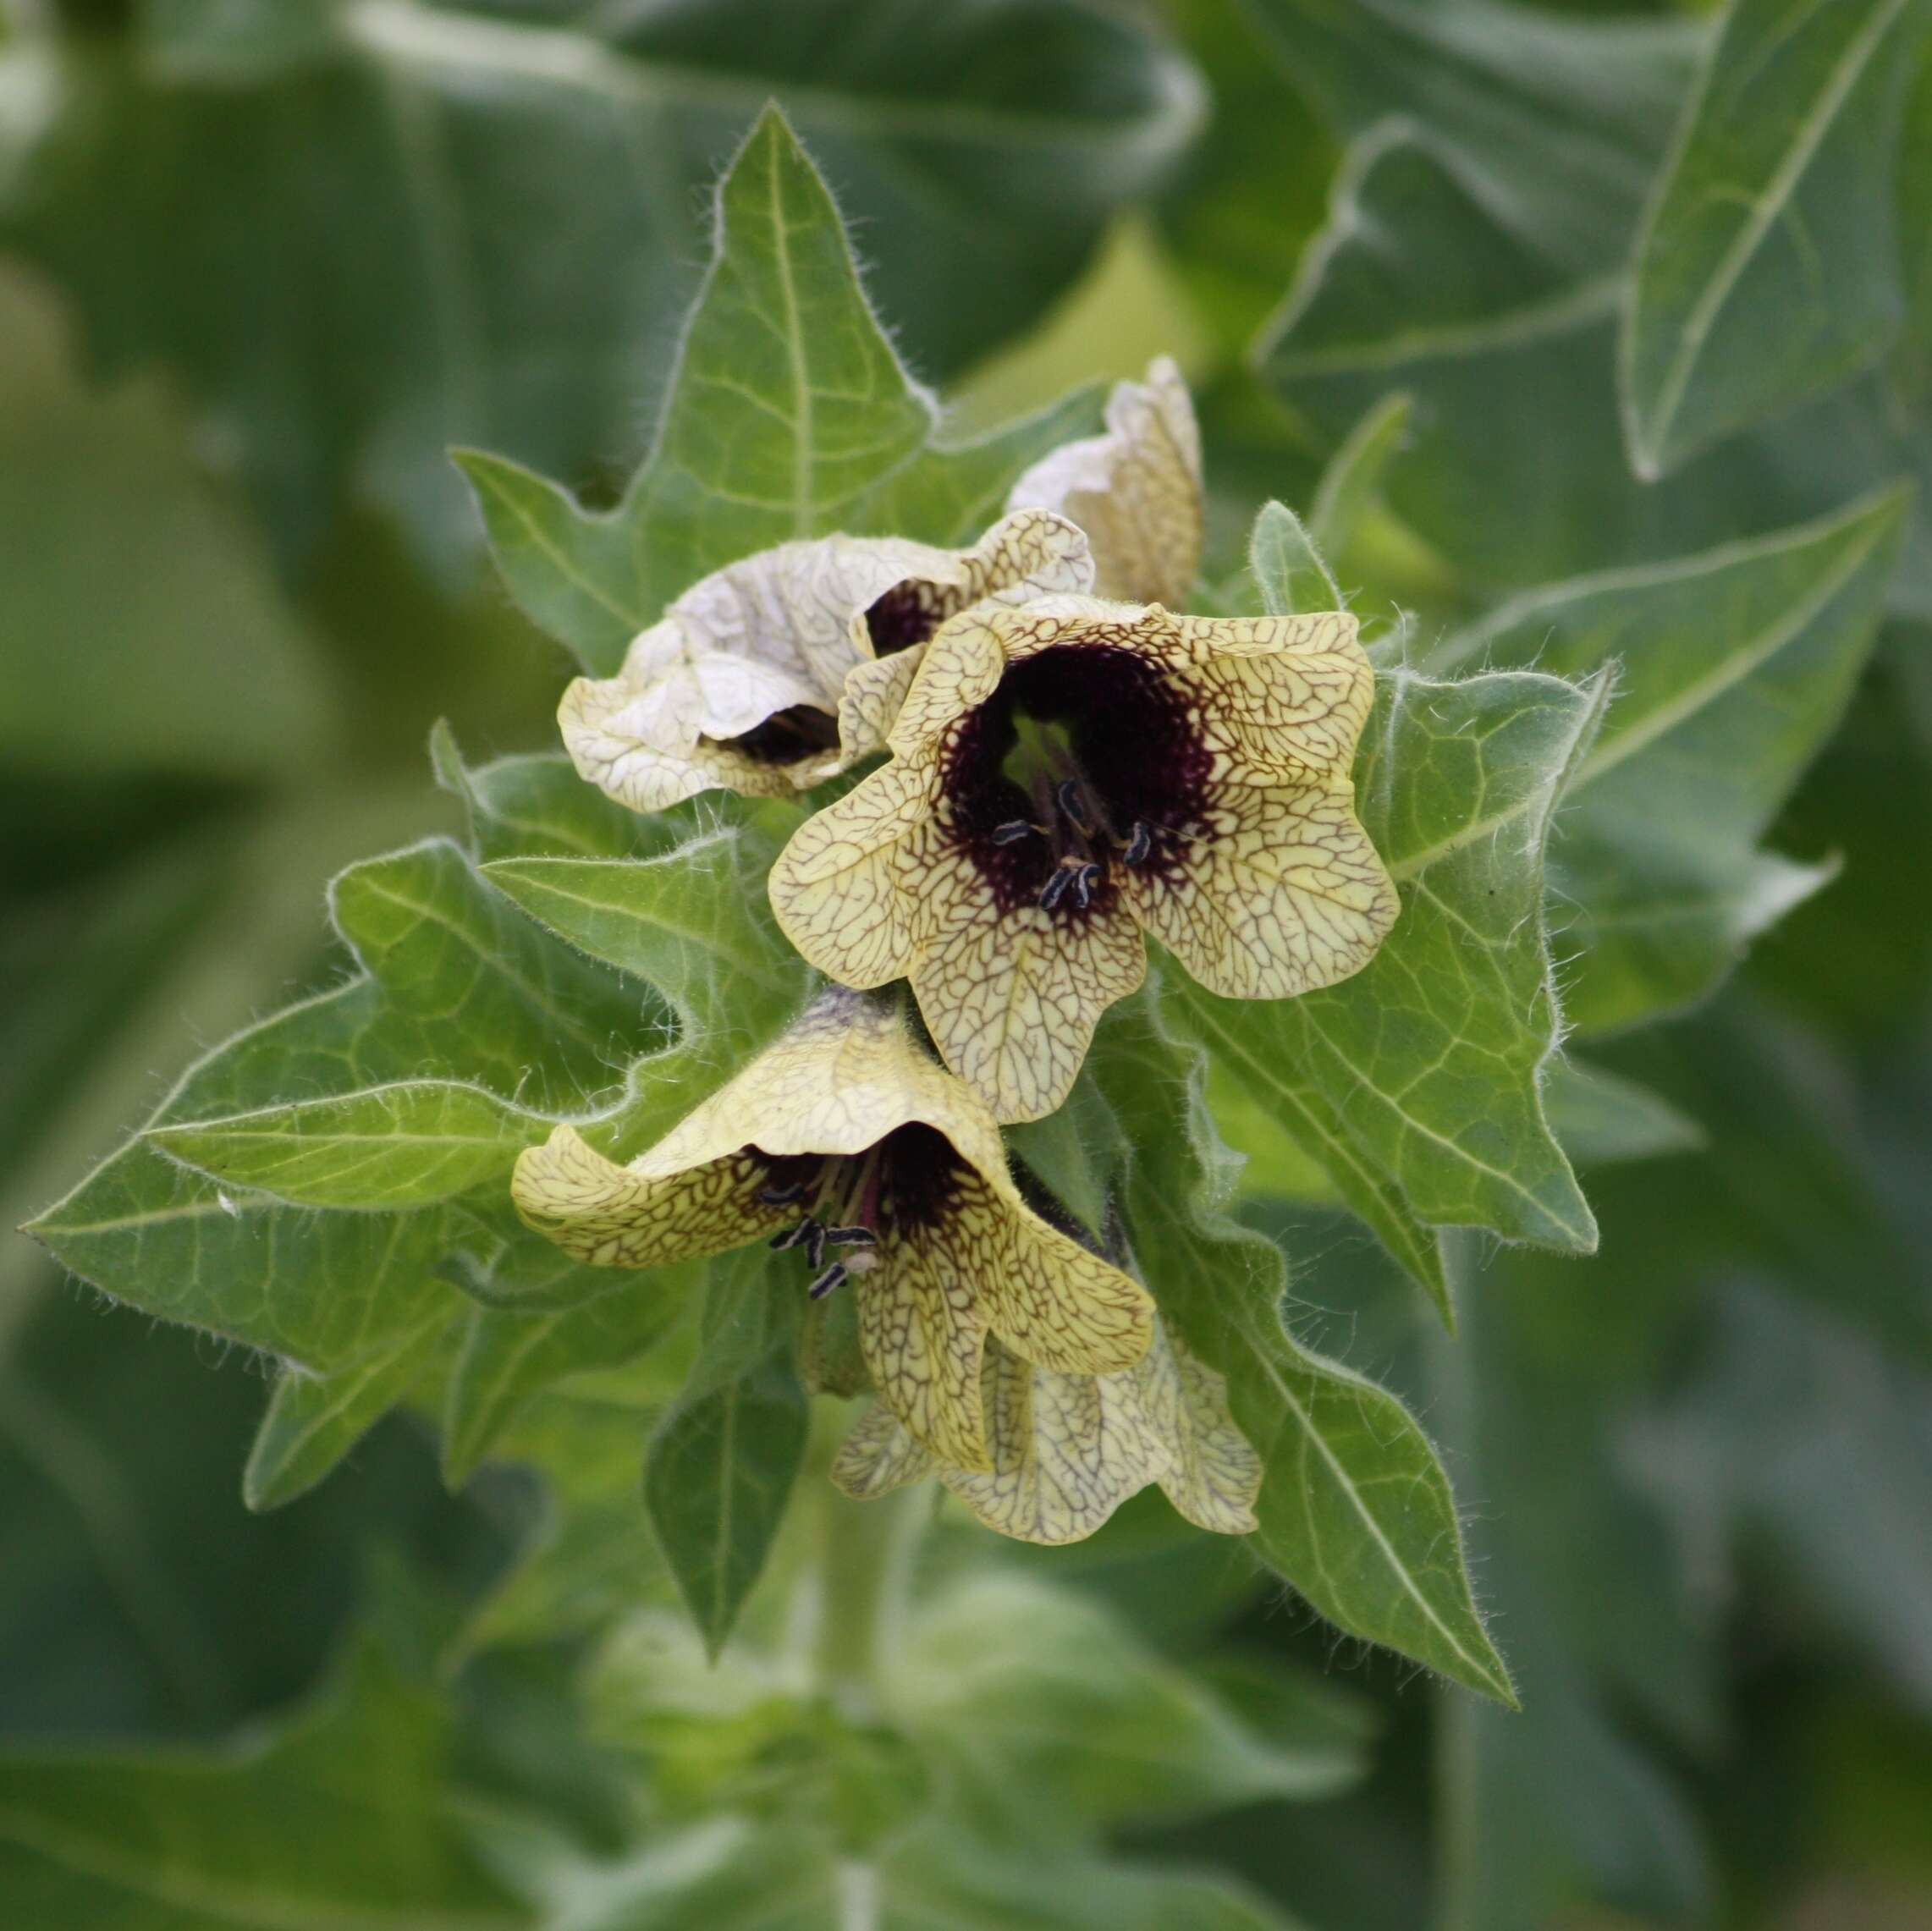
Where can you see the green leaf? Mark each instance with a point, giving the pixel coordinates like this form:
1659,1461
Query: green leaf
1429,280
314,1421
482,219
1601,1117
1556,117
535,803
695,923
722,1462
1766,271
1020,1690
789,415
383,1149
1287,567
455,981
589,1562
1352,480
176,1840
728,1871
1250,191
136,603
1733,669
1418,1082
1354,1511
584,1318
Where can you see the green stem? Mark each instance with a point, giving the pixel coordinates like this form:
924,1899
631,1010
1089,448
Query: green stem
866,1551
1459,1714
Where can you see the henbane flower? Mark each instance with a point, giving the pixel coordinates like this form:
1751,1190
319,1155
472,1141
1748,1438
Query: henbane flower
845,1142
1068,1450
1070,775
1136,491
777,672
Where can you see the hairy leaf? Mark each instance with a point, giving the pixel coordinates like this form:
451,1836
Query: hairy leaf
384,1147
789,415
1287,568
1354,1510
1732,669
1418,1082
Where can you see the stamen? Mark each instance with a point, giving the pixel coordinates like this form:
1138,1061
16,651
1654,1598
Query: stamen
1014,830
1140,844
1073,802
801,1235
1056,888
850,1237
1084,881
815,1244
833,1276
781,1195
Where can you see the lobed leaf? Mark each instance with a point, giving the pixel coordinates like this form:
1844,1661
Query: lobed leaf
1733,669
789,415
1417,1083
1354,1510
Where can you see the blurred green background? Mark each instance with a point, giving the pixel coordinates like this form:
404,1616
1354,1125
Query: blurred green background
261,261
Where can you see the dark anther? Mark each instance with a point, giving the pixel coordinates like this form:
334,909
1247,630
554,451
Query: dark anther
802,1235
1073,802
1013,831
781,1195
833,1277
850,1237
1084,881
1056,888
815,1244
1139,844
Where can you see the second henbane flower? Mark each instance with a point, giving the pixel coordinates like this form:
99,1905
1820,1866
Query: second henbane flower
847,1144
1067,775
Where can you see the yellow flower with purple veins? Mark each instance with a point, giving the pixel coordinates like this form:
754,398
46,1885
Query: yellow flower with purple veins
845,1144
778,671
1068,1450
1067,775
1136,491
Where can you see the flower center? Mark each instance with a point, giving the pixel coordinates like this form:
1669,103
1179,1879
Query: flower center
854,1201
1087,763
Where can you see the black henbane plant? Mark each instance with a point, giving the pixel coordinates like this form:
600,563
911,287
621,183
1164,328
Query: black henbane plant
626,1137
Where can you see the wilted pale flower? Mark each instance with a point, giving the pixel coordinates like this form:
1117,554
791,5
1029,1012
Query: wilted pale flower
771,675
1068,1450
1136,491
1068,774
845,1142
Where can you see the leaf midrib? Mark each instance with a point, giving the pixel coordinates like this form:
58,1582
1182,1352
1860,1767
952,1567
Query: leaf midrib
1766,207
